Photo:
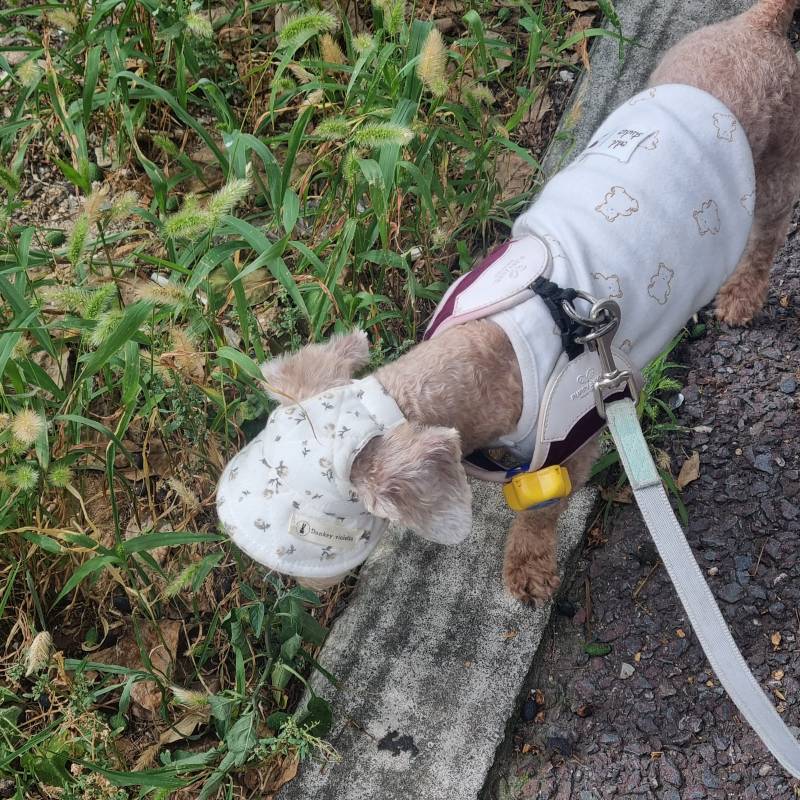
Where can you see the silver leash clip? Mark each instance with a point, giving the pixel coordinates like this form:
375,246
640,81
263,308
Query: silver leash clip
603,321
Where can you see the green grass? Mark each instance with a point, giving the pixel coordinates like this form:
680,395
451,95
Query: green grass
241,192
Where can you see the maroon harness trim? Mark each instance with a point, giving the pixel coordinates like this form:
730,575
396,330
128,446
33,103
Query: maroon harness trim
446,311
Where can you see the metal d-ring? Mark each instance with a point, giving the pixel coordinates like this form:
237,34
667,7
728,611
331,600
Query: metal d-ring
570,311
603,319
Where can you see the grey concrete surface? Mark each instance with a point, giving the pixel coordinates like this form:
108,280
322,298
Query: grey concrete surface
431,653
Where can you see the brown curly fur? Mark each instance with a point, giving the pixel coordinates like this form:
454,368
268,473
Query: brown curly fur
748,64
468,379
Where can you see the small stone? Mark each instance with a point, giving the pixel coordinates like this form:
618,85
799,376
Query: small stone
647,554
561,744
789,511
743,577
669,772
743,562
694,793
637,748
757,591
530,709
764,769
666,689
626,670
691,723
721,742
777,609
788,385
612,632
565,608
763,462
731,592
121,602
710,780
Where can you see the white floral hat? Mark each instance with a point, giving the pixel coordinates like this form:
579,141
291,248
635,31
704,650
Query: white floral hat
286,499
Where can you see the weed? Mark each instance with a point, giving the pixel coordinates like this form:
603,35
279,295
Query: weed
186,189
657,418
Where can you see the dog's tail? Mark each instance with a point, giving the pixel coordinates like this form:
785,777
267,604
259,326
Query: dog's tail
771,15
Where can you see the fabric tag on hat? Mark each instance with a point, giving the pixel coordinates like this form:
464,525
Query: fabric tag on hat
324,532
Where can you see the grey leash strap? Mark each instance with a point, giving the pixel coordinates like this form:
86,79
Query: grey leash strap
701,608
704,615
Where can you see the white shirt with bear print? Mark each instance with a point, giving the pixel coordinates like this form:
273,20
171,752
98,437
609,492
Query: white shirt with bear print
654,213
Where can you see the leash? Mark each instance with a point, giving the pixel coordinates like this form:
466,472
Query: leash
694,593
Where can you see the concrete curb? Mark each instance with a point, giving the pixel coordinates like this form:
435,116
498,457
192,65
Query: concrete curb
431,653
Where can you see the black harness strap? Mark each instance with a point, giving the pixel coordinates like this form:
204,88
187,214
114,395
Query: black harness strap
553,295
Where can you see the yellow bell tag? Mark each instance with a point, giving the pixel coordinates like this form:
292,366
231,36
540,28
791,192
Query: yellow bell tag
529,489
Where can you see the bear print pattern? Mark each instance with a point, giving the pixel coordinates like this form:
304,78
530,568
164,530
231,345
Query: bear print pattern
707,218
748,202
611,283
678,206
726,125
660,285
617,203
652,142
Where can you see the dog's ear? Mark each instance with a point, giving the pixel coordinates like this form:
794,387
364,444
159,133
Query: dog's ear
314,368
413,475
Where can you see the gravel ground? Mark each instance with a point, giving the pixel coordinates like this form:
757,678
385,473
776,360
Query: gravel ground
667,729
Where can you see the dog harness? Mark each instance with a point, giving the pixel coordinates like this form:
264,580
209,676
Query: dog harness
286,499
655,214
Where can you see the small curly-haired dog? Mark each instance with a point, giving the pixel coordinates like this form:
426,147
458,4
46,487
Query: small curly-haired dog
613,227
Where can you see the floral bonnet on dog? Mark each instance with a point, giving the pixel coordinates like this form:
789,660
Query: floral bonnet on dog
286,499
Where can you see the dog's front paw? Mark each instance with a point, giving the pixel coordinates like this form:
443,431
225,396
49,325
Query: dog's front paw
531,582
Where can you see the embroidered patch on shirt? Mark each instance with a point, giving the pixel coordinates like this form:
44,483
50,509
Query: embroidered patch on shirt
621,144
324,532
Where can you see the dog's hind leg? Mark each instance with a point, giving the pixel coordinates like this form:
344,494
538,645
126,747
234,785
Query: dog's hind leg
748,64
745,292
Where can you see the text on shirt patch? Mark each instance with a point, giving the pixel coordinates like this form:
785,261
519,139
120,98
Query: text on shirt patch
620,144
